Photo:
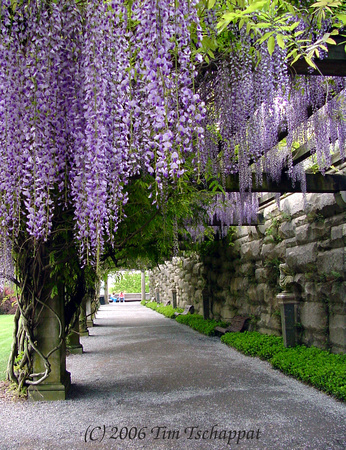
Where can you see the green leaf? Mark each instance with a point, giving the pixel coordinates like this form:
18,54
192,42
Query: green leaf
211,3
255,6
280,41
310,62
265,37
271,45
241,23
263,25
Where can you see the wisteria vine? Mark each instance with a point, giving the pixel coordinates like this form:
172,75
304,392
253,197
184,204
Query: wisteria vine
93,95
259,112
90,97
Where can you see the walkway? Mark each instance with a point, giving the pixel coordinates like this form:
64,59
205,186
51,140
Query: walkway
153,383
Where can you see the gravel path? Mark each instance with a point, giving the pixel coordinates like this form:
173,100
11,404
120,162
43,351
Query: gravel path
145,381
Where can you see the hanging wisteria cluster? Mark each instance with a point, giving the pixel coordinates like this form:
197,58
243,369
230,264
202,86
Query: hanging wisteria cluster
91,96
258,112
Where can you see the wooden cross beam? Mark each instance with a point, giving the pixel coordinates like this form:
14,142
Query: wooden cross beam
315,183
333,65
258,221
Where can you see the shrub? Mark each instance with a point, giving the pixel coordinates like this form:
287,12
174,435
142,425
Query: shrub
8,301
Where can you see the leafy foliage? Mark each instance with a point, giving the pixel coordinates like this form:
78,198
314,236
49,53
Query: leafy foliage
129,282
279,23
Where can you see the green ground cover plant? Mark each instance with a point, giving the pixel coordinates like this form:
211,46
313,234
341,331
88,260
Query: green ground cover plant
167,311
319,368
194,321
6,327
197,322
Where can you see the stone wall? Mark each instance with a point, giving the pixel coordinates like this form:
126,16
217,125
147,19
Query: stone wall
304,241
185,275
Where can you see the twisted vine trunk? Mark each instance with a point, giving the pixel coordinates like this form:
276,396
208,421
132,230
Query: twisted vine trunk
50,287
39,328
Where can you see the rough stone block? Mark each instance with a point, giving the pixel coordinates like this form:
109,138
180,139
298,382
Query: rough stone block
250,251
337,334
267,249
294,205
197,268
187,277
279,250
261,291
313,315
319,231
298,258
302,234
253,233
333,260
325,204
338,233
310,292
242,231
245,269
287,230
289,243
311,232
261,275
261,230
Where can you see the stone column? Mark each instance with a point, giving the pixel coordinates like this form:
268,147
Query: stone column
143,285
106,289
174,298
73,344
288,306
83,330
48,335
205,296
88,311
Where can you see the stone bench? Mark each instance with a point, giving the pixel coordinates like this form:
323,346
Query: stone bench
189,309
129,297
133,297
237,324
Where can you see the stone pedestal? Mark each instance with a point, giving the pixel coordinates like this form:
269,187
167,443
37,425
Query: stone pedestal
83,329
47,335
106,289
143,285
288,305
174,298
88,311
72,340
205,296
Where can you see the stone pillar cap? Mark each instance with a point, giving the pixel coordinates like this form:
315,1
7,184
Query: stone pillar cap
287,297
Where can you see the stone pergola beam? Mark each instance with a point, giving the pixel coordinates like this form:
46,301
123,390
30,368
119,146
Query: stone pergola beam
315,183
